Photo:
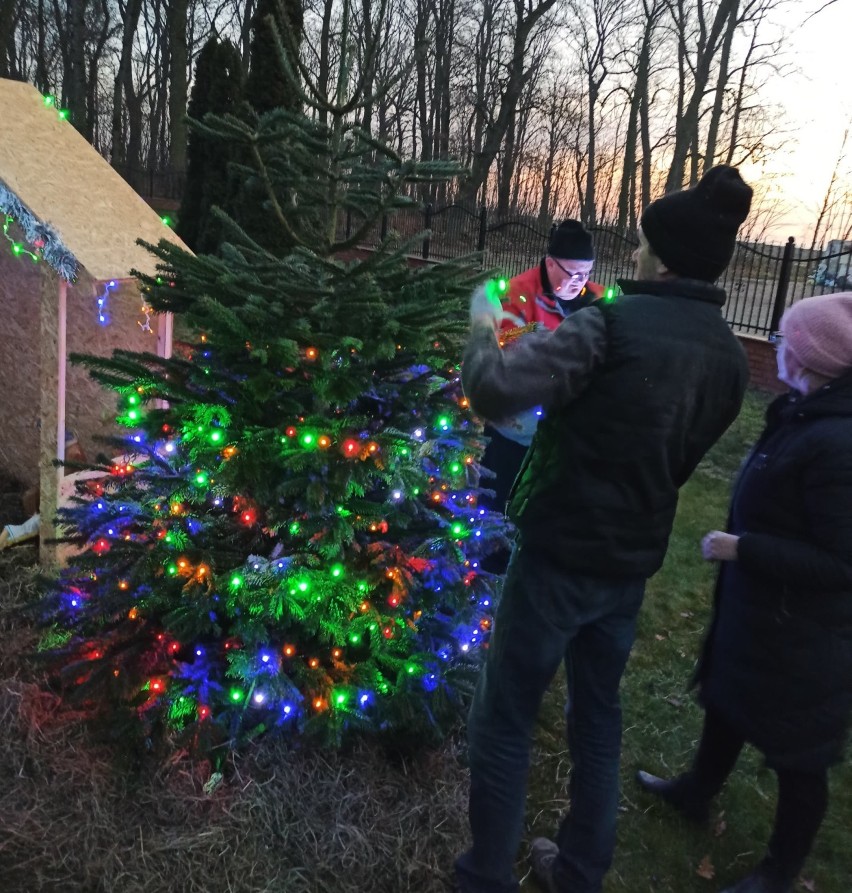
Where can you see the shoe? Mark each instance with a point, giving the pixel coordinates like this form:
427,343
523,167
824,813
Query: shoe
674,792
13,534
760,882
543,853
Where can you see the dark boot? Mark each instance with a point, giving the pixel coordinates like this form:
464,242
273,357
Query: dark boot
761,881
543,853
677,792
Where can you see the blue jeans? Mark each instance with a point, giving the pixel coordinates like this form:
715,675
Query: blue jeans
546,616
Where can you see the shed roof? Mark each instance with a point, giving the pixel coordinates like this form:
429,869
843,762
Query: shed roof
67,184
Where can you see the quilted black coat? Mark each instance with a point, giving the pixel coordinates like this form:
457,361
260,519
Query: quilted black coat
778,659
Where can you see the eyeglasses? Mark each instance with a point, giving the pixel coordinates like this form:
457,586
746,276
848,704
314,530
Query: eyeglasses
776,338
573,275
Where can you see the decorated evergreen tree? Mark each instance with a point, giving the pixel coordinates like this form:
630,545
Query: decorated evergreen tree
291,537
217,89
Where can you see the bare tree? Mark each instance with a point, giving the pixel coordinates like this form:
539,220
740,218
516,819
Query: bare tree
178,83
705,32
528,13
7,21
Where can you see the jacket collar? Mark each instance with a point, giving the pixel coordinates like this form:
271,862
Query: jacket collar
693,289
832,399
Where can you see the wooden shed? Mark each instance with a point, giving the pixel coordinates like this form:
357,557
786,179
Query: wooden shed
68,243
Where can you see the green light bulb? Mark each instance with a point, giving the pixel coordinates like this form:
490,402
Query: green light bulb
303,586
236,695
215,436
236,581
444,422
354,638
340,698
133,414
133,399
455,468
172,569
201,479
337,570
294,528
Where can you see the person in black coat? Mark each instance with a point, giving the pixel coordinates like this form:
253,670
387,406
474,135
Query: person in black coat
776,670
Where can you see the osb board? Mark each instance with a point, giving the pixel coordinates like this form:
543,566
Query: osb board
90,409
63,180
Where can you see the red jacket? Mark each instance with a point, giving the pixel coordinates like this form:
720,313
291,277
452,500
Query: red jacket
527,301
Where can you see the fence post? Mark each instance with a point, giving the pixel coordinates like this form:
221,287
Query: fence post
427,225
783,284
483,227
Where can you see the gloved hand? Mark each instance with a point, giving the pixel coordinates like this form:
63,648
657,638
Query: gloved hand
485,307
520,427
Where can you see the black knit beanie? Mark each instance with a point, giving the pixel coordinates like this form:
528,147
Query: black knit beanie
571,241
694,232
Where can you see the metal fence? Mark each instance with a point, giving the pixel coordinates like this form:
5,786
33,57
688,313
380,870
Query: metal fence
761,280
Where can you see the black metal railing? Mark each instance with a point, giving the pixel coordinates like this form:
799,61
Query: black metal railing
762,280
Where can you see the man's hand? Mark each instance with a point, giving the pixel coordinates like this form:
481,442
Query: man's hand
485,307
719,546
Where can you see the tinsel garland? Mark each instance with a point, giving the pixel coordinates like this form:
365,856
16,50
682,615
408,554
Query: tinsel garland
38,233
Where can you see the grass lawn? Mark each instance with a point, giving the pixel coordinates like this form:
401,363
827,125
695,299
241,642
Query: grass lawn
80,814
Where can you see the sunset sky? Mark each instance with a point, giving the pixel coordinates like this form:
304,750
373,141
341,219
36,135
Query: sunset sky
818,103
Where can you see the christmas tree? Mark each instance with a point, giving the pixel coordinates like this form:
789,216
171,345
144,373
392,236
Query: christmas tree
291,538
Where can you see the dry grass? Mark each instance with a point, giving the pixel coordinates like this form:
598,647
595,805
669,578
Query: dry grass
74,816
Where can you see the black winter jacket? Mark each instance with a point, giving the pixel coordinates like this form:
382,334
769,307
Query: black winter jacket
599,487
778,659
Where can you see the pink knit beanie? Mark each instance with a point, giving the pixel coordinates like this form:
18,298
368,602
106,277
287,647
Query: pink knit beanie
818,332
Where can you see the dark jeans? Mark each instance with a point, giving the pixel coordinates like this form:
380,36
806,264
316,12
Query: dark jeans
547,616
802,796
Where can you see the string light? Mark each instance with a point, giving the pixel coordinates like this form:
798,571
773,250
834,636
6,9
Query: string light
103,315
17,248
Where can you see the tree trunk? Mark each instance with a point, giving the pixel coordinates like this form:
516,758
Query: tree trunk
587,212
738,104
506,169
42,79
75,74
7,19
324,74
177,12
124,87
721,86
92,79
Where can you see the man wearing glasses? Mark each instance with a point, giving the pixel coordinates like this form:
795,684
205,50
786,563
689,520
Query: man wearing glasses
558,286
541,297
